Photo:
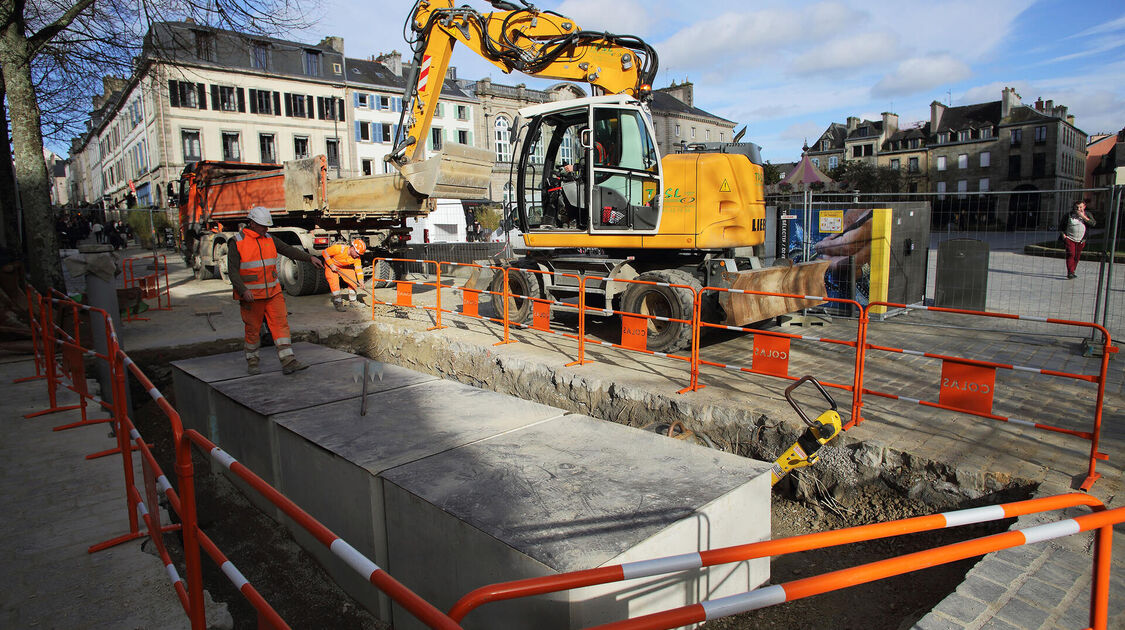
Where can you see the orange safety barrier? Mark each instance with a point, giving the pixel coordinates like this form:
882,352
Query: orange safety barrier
32,321
968,385
772,349
1101,519
149,285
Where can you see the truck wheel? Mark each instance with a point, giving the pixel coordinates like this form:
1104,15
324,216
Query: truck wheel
382,275
670,302
221,262
520,283
298,278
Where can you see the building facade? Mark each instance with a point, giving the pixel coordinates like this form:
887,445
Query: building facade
678,122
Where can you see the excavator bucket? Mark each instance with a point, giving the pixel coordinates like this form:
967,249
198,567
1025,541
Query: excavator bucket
801,279
457,172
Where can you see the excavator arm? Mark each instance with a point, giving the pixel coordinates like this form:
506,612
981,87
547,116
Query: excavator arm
539,43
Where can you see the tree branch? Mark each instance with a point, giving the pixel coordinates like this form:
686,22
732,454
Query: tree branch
45,34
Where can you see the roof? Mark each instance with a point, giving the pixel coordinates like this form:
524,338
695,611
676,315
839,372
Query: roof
1026,114
667,104
875,125
835,134
368,72
969,117
806,173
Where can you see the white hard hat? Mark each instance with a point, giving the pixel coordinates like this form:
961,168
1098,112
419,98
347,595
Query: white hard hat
260,215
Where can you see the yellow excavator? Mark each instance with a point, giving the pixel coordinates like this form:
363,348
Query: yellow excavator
592,195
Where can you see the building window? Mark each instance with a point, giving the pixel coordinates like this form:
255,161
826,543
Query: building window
329,108
332,152
267,148
436,138
1013,167
963,136
857,151
912,165
384,102
190,141
463,137
941,190
231,152
861,132
815,162
440,111
984,183
184,94
962,188
1039,165
297,105
941,163
915,143
693,133
462,112
963,160
1040,134
943,137
260,55
228,98
361,100
362,131
503,140
366,166
312,63
985,159
300,147
677,130
205,45
1017,137
895,164
985,133
262,102
722,136
833,162
382,132
707,135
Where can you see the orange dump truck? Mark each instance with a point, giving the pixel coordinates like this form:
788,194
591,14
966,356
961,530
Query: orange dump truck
309,211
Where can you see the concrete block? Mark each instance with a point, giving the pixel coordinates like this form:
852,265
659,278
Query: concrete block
568,494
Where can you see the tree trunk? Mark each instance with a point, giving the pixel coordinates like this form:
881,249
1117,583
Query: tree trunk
31,169
10,229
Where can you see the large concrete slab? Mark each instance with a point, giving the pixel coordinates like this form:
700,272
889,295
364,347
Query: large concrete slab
569,494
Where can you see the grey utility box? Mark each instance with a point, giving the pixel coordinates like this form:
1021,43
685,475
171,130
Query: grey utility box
962,274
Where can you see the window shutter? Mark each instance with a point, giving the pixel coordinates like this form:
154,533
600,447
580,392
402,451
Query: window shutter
214,97
241,100
277,103
377,132
470,137
288,105
357,133
320,107
371,103
398,104
355,97
253,101
202,90
340,109
309,106
174,93
394,134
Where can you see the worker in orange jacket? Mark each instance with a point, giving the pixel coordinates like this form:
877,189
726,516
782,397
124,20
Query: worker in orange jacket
337,260
252,268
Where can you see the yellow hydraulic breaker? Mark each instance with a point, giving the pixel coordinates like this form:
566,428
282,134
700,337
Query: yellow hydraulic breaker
820,431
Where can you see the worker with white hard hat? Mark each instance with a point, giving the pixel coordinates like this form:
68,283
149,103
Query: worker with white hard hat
252,268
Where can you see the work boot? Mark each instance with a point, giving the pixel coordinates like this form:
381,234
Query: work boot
355,304
292,366
339,304
252,367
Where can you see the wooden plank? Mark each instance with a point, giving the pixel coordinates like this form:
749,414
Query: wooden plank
802,279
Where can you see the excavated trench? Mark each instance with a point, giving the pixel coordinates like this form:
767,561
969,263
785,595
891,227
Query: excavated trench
852,484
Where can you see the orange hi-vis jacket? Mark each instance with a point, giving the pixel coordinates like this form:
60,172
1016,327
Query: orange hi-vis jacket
258,268
337,255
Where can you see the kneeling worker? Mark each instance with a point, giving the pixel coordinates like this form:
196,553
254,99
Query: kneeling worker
252,268
336,259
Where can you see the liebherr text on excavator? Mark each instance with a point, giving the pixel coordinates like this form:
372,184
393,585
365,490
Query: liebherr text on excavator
591,192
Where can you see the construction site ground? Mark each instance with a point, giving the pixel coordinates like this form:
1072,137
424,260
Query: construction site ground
904,459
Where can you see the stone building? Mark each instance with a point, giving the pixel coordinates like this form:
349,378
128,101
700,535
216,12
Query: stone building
905,150
679,122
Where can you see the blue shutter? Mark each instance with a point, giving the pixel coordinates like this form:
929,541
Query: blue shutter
394,133
357,124
356,97
398,104
371,103
377,132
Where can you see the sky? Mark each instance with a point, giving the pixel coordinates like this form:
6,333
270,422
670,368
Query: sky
787,69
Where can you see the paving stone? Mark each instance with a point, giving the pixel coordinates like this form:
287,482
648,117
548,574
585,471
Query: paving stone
982,589
1022,614
1041,594
999,624
936,621
962,609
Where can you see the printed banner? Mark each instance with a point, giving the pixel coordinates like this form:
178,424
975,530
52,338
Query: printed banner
634,332
405,294
771,355
966,386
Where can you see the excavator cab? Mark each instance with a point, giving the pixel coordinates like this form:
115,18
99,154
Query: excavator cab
589,165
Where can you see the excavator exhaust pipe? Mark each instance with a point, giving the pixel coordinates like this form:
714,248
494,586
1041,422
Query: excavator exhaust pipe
457,172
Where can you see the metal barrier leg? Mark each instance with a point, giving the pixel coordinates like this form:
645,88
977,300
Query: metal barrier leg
582,360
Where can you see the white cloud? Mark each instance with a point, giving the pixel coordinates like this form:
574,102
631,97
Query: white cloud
1105,27
623,17
852,51
921,73
802,131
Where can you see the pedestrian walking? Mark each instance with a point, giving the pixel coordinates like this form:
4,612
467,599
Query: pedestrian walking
252,268
1074,228
337,259
96,228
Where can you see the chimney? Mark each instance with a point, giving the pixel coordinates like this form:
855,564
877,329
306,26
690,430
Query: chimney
393,62
853,122
890,123
1070,120
333,42
1009,100
1039,104
682,92
1050,105
937,110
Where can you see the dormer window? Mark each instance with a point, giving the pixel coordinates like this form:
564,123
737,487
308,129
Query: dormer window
259,55
204,45
312,63
963,135
943,137
861,132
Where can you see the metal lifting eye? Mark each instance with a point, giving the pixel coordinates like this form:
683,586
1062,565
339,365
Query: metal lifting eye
626,61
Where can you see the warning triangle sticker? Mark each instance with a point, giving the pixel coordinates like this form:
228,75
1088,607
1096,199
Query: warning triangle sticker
725,187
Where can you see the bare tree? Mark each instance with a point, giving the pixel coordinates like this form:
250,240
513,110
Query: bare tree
52,52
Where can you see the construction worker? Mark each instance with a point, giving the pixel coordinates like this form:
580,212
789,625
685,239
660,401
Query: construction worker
336,260
252,268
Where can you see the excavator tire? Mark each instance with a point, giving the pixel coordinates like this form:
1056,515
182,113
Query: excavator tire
671,302
523,287
298,278
221,262
382,275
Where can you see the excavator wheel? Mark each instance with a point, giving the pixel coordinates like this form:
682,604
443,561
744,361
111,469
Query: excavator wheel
523,287
221,262
382,275
670,302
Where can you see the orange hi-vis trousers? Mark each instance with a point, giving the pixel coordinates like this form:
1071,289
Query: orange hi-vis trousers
349,277
273,309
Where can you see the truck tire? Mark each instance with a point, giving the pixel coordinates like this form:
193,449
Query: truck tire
671,302
298,278
221,262
382,275
520,283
